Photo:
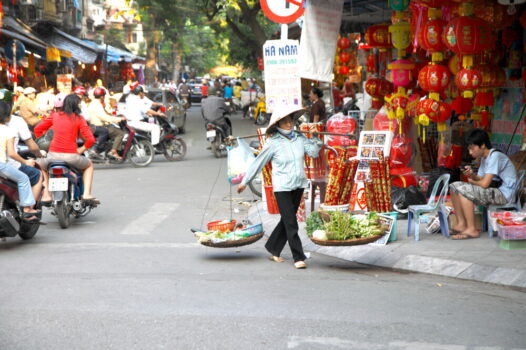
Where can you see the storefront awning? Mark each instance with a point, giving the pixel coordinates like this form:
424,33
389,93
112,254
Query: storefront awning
359,14
114,54
13,29
79,50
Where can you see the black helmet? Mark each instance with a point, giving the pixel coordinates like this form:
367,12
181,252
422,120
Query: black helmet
137,90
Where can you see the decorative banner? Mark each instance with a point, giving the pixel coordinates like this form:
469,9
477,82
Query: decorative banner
318,39
282,83
52,54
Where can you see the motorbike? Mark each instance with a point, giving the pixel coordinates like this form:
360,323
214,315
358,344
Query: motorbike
171,146
134,146
217,135
11,222
66,186
259,111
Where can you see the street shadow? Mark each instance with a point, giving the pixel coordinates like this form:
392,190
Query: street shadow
231,254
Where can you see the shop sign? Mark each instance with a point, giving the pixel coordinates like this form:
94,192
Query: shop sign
319,38
282,11
52,54
282,83
64,83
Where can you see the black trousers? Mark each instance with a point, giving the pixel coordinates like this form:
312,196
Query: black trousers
287,228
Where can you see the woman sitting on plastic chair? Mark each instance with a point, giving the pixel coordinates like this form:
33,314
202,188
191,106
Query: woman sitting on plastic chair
493,184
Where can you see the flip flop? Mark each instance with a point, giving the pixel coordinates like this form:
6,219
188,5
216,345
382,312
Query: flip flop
453,232
277,259
91,201
461,236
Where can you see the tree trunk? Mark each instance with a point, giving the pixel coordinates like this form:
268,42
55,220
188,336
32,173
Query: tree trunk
152,52
178,60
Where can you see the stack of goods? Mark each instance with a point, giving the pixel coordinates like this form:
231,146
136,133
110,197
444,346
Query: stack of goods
338,228
314,167
378,187
341,180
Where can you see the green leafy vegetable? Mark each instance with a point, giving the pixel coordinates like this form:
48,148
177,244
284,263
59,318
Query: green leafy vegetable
313,223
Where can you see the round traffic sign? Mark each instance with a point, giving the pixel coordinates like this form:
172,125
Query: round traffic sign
282,11
19,47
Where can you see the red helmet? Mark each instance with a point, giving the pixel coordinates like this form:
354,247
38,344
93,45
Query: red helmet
80,90
99,92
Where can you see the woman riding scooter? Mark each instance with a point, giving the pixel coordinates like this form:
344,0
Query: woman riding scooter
66,125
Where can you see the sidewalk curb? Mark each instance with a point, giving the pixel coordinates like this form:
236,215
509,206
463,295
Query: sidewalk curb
388,257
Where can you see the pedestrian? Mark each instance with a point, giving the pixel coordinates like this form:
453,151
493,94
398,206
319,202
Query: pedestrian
318,111
493,184
285,148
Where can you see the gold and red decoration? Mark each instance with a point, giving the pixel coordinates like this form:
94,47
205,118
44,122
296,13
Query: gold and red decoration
434,79
377,36
378,88
468,80
430,35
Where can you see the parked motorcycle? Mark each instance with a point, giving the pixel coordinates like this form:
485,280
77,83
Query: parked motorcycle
135,146
66,186
171,146
217,134
11,222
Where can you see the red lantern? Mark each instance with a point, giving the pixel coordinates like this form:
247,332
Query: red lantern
378,88
344,43
430,36
489,75
434,78
468,80
432,3
371,63
468,35
461,105
344,57
377,36
344,70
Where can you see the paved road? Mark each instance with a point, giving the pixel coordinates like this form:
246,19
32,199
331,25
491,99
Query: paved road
130,276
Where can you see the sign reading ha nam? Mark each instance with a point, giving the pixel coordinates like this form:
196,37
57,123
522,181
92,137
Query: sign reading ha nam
282,83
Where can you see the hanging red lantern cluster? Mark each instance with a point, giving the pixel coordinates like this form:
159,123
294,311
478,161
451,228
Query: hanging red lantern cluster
378,88
436,111
430,35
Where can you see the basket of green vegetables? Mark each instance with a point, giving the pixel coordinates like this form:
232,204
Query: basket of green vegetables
344,229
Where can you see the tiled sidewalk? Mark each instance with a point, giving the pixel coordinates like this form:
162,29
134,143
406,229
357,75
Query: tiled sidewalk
478,259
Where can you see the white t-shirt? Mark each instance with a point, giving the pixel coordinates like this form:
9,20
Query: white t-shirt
136,108
20,131
5,134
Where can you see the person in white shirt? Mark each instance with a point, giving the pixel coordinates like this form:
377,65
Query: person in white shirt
137,109
20,131
46,99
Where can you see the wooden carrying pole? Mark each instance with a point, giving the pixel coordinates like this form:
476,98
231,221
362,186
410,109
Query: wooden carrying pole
301,132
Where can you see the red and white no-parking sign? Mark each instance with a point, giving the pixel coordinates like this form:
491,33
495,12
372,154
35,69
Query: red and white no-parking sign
282,11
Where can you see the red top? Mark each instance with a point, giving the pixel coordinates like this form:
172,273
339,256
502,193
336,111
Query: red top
66,128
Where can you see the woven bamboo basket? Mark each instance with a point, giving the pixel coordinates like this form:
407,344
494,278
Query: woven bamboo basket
235,243
348,242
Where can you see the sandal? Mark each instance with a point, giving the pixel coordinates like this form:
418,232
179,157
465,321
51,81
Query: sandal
30,217
277,259
114,155
300,265
91,201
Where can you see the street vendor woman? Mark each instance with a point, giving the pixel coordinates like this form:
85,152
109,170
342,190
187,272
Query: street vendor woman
286,149
493,184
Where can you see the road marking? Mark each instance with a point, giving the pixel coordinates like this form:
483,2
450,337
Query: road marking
297,342
147,222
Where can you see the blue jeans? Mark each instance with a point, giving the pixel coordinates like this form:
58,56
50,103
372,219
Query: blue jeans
31,172
22,180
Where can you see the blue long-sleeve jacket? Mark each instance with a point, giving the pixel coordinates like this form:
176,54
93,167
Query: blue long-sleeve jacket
287,156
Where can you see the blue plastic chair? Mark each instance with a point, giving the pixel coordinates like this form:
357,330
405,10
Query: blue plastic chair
514,204
434,204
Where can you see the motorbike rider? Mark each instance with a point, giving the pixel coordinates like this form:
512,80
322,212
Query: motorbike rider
214,108
26,198
99,118
138,108
28,107
184,91
66,125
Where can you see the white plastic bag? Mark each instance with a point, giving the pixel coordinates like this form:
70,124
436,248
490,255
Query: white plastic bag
239,159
